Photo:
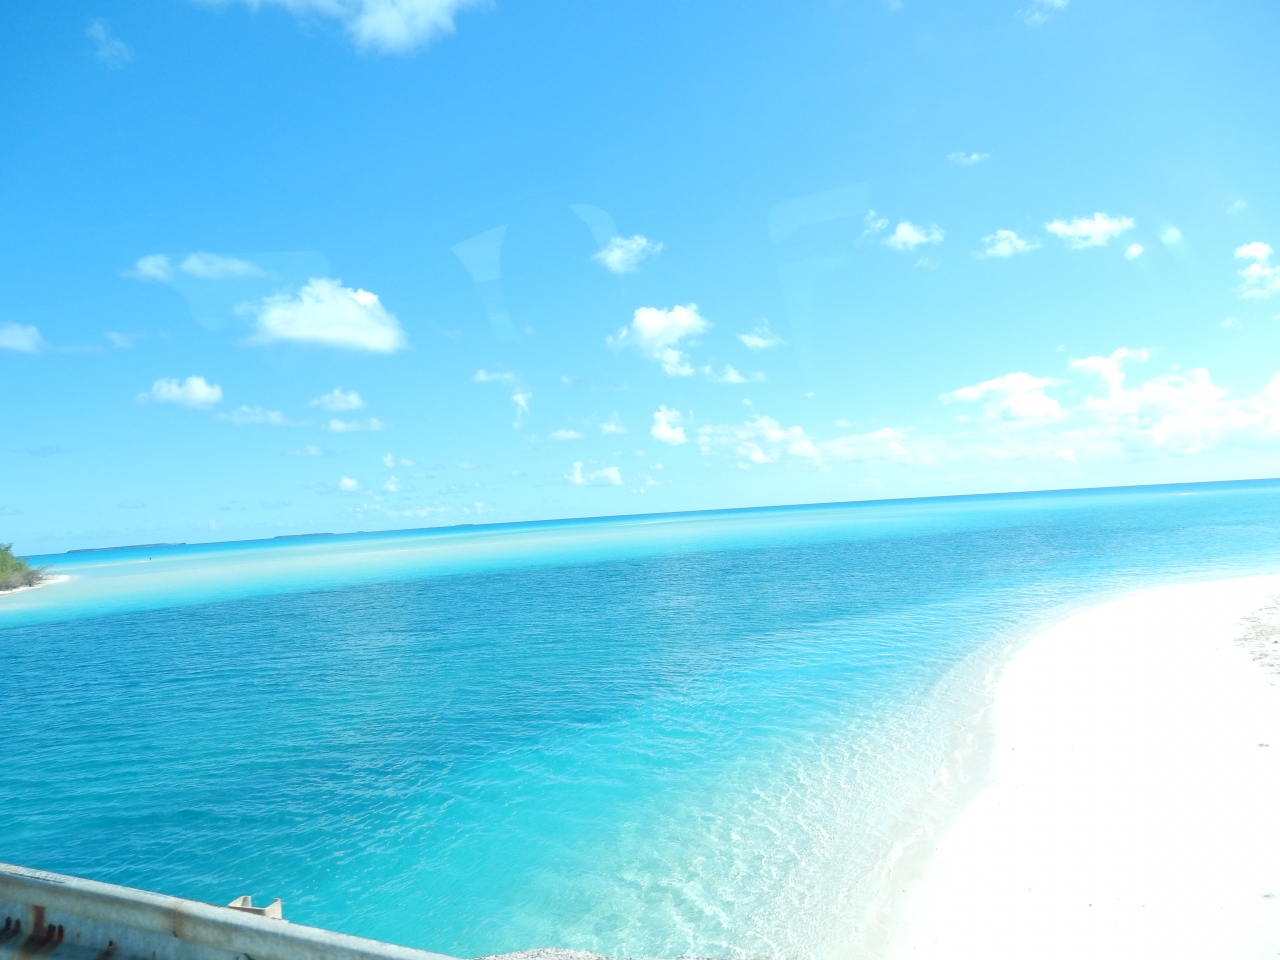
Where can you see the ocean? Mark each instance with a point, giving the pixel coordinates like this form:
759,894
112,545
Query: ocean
711,734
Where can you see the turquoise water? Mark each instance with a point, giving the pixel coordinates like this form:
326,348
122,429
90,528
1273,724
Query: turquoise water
692,735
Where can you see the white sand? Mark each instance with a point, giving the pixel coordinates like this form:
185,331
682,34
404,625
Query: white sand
1131,809
46,582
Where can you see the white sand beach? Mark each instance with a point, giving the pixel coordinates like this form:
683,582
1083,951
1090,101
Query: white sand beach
1132,806
46,582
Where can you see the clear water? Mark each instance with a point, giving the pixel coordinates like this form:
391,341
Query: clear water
696,735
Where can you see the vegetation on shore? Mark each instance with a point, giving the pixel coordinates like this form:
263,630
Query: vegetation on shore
16,572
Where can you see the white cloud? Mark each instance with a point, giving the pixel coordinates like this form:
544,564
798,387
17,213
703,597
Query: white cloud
521,400
1041,11
667,426
606,476
1092,231
191,392
389,460
624,254
372,425
110,50
327,313
347,485
246,415
484,376
874,223
1134,251
211,266
1259,279
20,337
388,26
312,450
1171,236
393,485
907,236
338,399
656,333
565,435
729,375
122,341
1015,397
762,440
155,266
613,426
761,338
1006,243
967,159
1182,412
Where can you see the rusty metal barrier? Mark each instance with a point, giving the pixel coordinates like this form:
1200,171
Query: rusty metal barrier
48,915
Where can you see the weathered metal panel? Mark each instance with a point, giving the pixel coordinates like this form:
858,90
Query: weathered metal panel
48,915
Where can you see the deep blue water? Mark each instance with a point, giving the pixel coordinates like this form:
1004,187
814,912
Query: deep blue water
700,734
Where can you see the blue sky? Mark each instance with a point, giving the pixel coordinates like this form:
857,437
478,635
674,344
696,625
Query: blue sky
328,265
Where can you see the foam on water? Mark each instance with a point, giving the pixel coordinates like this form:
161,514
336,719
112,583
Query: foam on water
704,735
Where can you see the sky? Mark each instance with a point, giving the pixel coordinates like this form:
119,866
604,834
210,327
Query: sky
286,266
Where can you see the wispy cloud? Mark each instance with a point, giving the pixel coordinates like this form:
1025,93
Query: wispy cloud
1260,279
1134,251
1093,231
605,476
202,265
20,337
625,254
191,392
761,338
873,223
154,266
521,401
122,341
1040,12
372,425
349,485
337,400
613,426
211,266
730,375
656,334
763,440
907,236
387,26
566,435
326,313
1016,397
107,48
484,376
1006,243
967,159
255,415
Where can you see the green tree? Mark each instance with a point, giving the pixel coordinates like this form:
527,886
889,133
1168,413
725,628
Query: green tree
16,572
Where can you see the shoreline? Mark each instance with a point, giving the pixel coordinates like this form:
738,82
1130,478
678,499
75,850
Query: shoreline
48,581
1119,801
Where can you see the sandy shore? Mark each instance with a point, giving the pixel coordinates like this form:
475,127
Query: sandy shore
46,582
1132,806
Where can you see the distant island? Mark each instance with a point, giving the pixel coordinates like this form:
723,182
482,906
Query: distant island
16,572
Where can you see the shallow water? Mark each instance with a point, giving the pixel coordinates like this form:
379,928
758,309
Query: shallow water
699,735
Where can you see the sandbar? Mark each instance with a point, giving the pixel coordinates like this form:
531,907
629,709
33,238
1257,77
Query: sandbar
1131,805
